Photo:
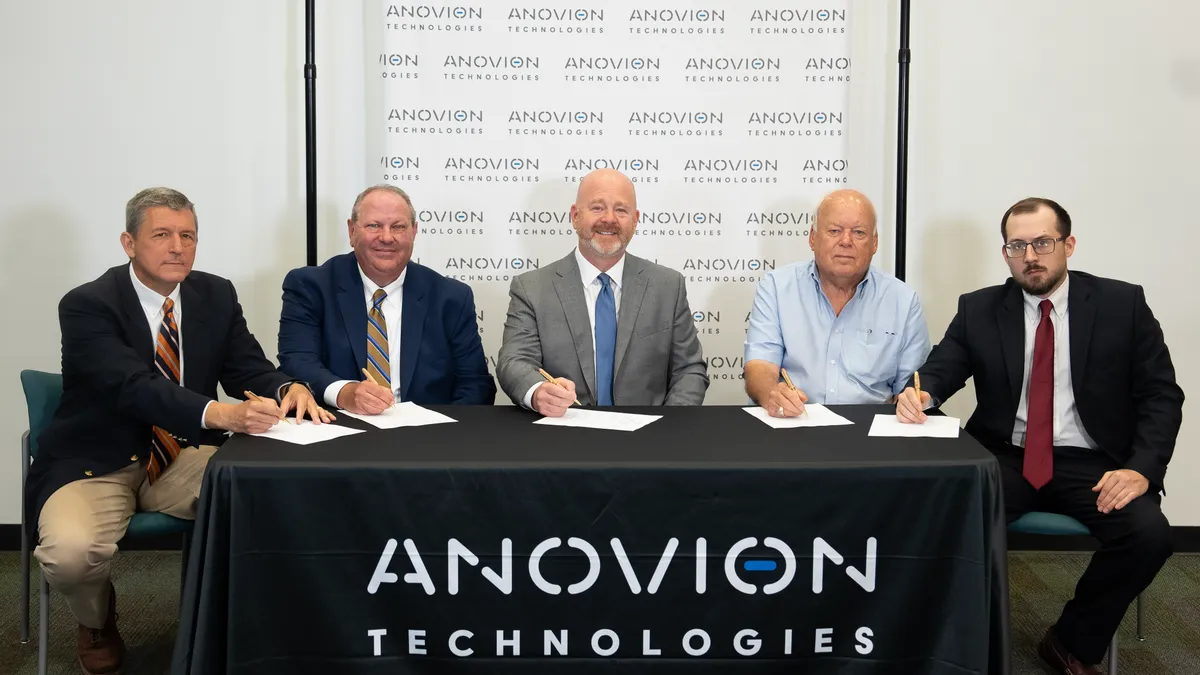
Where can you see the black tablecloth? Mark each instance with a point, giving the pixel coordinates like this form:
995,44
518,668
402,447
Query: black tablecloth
706,542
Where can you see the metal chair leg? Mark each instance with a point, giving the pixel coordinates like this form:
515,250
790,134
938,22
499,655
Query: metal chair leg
1140,636
24,544
1112,656
24,584
44,627
183,561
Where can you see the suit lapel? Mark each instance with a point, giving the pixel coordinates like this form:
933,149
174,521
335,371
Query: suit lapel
197,345
633,290
412,323
354,308
1081,320
135,317
569,288
1011,318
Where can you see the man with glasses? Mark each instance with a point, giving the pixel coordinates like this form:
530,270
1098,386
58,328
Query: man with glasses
844,331
1076,396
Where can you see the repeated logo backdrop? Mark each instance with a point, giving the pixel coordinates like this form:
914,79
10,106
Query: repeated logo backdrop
728,117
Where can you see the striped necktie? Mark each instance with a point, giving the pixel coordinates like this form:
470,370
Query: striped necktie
378,362
163,446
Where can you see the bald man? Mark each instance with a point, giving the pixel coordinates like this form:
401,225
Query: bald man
846,332
612,328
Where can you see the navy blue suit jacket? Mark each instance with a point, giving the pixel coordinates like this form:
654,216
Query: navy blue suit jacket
323,333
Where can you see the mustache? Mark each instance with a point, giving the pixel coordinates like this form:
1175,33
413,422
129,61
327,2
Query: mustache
1034,268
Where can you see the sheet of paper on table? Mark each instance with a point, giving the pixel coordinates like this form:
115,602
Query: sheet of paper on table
403,414
817,416
934,427
599,419
306,432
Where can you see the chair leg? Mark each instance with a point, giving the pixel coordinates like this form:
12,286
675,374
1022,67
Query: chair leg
183,561
24,586
1140,636
44,627
1112,656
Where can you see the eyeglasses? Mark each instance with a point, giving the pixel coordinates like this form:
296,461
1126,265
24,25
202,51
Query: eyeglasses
1016,249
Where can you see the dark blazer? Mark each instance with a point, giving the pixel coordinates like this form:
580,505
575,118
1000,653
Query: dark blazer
323,333
113,393
1121,371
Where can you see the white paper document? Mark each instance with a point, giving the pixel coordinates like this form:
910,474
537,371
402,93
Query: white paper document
599,419
403,414
934,427
306,432
816,415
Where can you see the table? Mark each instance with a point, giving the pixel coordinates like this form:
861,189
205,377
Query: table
706,542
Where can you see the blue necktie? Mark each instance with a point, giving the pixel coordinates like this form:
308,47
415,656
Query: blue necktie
606,340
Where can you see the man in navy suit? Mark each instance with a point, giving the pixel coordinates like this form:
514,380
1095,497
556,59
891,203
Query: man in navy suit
410,329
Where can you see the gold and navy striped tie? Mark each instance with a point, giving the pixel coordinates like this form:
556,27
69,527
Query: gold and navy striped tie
163,446
378,363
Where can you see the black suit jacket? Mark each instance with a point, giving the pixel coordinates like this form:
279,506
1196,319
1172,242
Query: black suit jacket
113,393
1121,371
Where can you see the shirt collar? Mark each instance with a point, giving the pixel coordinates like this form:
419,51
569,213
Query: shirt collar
394,287
588,271
150,299
1058,298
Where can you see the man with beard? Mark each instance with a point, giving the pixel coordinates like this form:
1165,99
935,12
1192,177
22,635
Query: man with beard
1076,396
410,329
613,329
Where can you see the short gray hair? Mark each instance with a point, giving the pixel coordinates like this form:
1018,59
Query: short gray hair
387,188
135,208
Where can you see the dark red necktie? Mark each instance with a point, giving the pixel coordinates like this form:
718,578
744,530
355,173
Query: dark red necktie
1039,429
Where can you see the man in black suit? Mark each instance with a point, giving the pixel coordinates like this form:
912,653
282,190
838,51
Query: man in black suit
1077,398
143,348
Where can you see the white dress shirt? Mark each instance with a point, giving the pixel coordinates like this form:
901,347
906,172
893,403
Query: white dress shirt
1068,428
590,276
391,307
152,306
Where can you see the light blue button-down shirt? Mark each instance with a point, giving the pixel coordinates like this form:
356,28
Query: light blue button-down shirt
864,355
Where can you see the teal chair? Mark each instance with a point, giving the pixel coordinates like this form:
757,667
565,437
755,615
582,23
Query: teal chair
42,394
1056,524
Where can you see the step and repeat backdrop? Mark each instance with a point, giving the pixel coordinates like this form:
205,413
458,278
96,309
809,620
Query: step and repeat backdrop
727,116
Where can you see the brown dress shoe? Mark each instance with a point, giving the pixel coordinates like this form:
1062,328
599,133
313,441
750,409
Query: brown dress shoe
102,651
1062,661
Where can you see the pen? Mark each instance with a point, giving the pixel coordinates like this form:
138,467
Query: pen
254,397
553,381
791,386
369,378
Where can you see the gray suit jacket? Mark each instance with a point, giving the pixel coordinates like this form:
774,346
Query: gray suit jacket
659,360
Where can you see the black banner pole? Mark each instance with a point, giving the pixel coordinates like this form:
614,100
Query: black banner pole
902,147
310,133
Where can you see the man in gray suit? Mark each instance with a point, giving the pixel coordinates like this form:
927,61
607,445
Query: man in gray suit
612,328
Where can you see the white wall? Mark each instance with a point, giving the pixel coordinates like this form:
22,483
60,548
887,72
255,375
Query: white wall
1093,104
103,99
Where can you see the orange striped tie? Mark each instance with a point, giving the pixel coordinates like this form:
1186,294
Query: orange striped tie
163,446
379,363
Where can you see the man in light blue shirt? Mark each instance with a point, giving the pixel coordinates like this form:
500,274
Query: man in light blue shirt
845,332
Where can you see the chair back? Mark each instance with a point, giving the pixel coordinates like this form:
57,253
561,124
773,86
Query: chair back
43,391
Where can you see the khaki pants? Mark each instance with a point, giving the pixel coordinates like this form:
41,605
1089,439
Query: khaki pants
82,522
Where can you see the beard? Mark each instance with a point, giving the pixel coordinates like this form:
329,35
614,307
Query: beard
611,251
1042,287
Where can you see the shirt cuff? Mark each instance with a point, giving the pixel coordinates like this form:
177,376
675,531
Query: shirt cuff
528,400
332,391
204,413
